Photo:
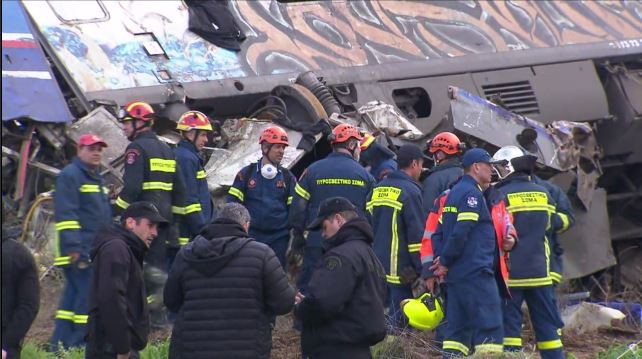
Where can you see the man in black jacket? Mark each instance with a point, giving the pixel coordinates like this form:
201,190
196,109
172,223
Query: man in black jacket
343,312
20,295
118,316
226,288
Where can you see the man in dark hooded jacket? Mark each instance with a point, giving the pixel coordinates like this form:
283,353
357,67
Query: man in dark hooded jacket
20,294
226,288
118,316
343,311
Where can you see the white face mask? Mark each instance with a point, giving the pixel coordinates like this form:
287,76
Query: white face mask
268,171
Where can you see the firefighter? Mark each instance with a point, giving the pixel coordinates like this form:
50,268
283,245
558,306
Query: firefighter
337,175
379,158
466,261
194,127
397,218
81,206
445,149
266,189
531,206
151,175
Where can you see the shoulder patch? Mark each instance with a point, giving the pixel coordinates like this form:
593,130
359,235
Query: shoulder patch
131,155
472,202
332,262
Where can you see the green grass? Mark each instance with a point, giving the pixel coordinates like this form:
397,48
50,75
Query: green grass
32,351
622,352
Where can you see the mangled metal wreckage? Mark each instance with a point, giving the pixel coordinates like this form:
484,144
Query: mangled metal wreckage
542,61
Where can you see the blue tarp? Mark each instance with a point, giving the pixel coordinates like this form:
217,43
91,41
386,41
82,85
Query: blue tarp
28,86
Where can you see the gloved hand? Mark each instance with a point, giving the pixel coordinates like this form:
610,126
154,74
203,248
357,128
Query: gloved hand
407,276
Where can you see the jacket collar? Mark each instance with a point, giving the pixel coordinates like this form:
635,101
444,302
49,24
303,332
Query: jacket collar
340,154
448,163
147,134
184,143
86,169
469,179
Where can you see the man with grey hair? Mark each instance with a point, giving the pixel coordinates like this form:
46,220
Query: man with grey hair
226,288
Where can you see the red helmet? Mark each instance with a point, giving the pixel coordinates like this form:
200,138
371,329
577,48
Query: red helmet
89,139
447,142
367,140
344,132
136,110
194,120
274,135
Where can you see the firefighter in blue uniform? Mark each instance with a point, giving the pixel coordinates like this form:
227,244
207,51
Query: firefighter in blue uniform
530,280
445,149
266,190
151,175
337,175
194,127
467,260
397,218
81,206
379,158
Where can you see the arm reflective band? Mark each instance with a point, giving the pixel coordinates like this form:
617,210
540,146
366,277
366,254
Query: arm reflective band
467,216
61,226
80,318
65,315
61,261
159,186
302,192
414,247
289,201
89,188
196,207
121,203
236,193
183,240
200,174
565,222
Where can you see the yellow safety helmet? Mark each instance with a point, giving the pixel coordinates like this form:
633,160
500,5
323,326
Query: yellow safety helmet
423,313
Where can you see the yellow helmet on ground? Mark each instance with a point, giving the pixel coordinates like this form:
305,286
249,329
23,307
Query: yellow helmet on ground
423,313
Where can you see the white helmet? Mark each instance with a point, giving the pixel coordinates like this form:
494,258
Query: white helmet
503,158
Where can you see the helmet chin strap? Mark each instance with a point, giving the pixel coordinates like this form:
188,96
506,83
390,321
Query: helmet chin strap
196,133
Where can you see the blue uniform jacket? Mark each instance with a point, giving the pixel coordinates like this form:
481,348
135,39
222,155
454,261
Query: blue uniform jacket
561,220
468,243
531,206
336,175
81,207
197,193
397,218
267,200
439,179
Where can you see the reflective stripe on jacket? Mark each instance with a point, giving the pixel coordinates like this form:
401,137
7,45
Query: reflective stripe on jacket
531,207
397,218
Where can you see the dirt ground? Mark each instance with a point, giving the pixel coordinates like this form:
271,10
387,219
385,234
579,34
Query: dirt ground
286,340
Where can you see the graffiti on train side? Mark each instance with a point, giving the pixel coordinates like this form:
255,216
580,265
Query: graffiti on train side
104,48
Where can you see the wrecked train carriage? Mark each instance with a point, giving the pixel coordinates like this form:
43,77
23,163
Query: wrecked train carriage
550,61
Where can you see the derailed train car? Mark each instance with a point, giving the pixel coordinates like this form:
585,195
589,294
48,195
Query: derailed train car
544,60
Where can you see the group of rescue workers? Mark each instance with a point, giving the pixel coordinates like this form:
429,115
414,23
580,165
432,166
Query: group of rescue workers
454,251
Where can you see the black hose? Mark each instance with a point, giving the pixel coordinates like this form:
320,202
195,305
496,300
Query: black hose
310,81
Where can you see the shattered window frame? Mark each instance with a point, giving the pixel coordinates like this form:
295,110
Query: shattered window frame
56,9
